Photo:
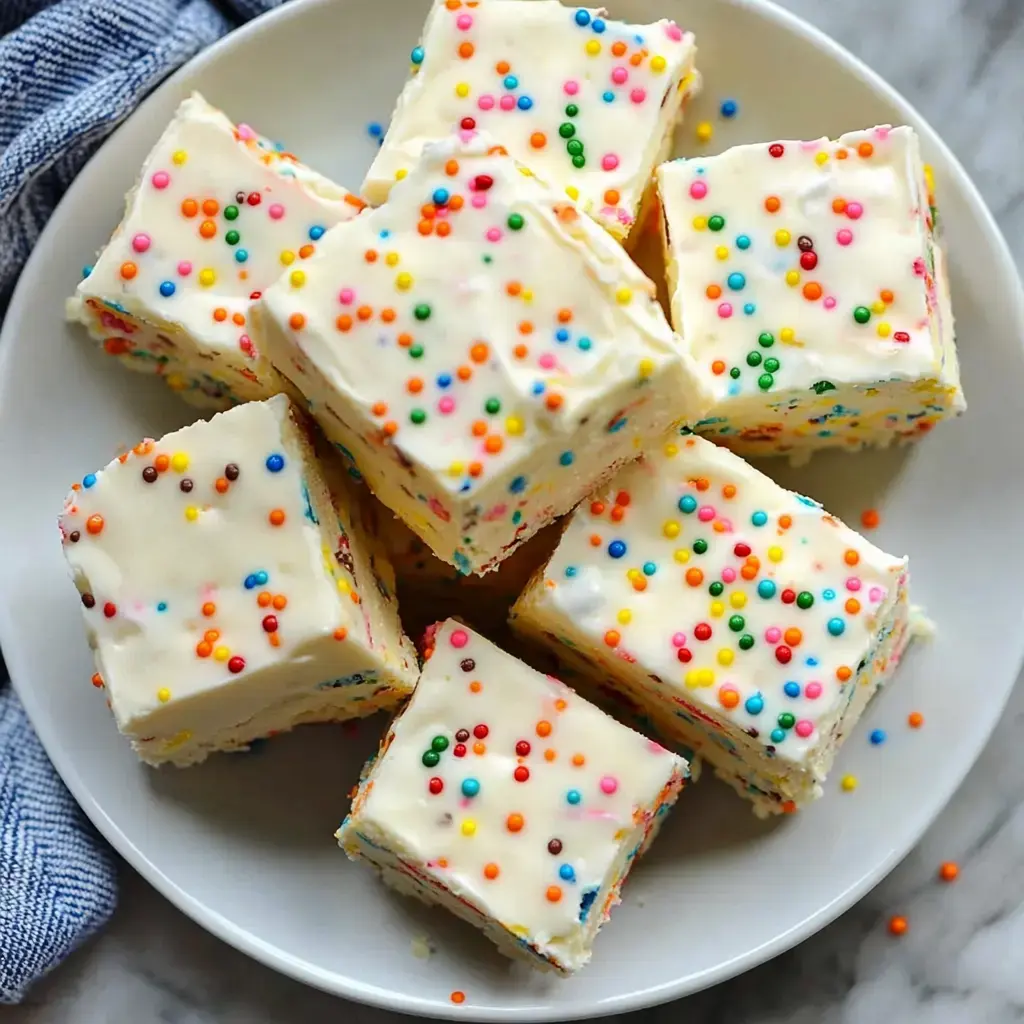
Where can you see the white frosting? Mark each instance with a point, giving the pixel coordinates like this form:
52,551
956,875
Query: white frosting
726,606
589,104
776,330
501,788
217,213
482,351
226,526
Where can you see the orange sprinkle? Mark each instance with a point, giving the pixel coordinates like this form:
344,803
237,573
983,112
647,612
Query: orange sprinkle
475,687
493,444
772,204
94,524
379,408
851,557
611,197
578,760
128,270
344,322
812,291
949,871
870,518
276,517
789,807
618,48
370,255
503,67
491,871
843,673
405,340
729,491
207,229
554,401
525,327
478,353
455,203
543,728
340,633
414,385
466,50
554,894
793,636
838,205
887,296
550,755
852,606
785,521
479,428
514,822
915,719
841,154
238,319
612,638
221,485
479,748
162,463
748,572
865,149
457,997
306,251
596,508
617,513
425,227
211,207
263,600
189,207
538,140
209,609
718,367
560,705
275,640
280,602
595,540
97,680
694,577
211,636
296,321
428,211
728,697
898,925
444,229
220,314
702,483
204,649
451,168
464,373
564,316
713,291
520,351
475,469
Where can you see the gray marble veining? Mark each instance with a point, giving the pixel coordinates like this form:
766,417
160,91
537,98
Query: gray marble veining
962,961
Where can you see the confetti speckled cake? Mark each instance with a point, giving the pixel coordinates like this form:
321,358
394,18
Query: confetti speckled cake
225,597
217,214
588,103
808,283
482,351
503,796
749,624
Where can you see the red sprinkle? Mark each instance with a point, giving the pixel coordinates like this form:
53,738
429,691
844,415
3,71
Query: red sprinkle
783,655
459,750
522,748
236,664
482,182
467,124
110,609
901,336
270,624
521,774
741,550
436,785
254,199
480,731
684,655
808,260
702,631
788,596
776,149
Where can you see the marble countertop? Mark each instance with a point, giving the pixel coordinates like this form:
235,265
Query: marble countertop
960,62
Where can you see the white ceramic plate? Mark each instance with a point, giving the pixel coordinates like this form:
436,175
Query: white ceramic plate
243,843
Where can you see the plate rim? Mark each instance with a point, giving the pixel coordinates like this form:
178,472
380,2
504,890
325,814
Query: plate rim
333,982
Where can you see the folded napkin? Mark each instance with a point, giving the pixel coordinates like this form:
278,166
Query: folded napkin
70,72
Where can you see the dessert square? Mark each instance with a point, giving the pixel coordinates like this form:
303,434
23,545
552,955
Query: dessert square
807,281
217,214
588,103
482,351
506,798
748,624
225,598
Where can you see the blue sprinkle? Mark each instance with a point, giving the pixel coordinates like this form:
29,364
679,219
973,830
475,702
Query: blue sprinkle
538,387
608,96
836,627
587,902
376,129
573,796
444,380
598,26
510,82
778,735
829,595
877,737
811,662
470,787
582,18
561,335
736,281
385,233
162,606
440,196
755,704
584,344
742,242
89,480
275,463
250,582
792,689
734,388
518,485
167,289
517,517
316,232
766,589
86,270
617,548
417,55
566,873
729,108
650,568
241,255
687,504
566,458
524,103
570,571
749,308
759,518
261,578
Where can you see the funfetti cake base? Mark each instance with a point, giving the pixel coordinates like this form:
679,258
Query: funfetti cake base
483,352
225,598
503,796
586,102
217,214
808,283
743,620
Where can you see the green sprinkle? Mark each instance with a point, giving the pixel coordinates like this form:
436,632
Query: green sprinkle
418,416
716,589
571,110
515,221
746,642
431,758
771,364
439,743
566,130
716,222
232,237
766,340
492,405
700,546
578,161
575,147
754,358
422,311
416,351
765,381
736,623
804,599
735,373
822,386
787,720
230,212
862,314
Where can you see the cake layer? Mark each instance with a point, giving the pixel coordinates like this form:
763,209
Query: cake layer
217,214
807,281
224,596
482,352
505,797
745,621
588,103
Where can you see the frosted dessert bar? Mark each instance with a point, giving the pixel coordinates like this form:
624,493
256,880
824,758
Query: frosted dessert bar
483,352
588,103
504,797
218,212
808,282
225,598
748,623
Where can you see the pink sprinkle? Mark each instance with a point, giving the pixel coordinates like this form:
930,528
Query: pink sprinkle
245,132
619,75
161,179
844,236
725,310
486,102
446,405
772,634
346,296
609,784
276,211
184,268
673,31
854,211
459,638
812,691
728,575
571,87
609,161
479,200
464,21
141,242
853,583
698,190
876,594
547,361
804,728
882,132
638,95
706,513
678,639
508,102
829,303
810,146
494,234
919,267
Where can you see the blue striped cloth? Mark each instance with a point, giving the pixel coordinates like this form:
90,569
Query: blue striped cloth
70,72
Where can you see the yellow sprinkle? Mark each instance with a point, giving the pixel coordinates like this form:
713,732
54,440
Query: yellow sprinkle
883,330
929,180
704,129
391,259
725,656
821,158
469,827
514,426
625,616
623,295
222,653
287,257
792,278
527,295
700,223
462,89
782,238
176,382
786,335
191,513
525,172
343,586
658,63
163,695
645,368
738,599
456,469
178,739
400,173
572,192
717,609
849,783
705,677
297,278
878,307
670,529
632,574
594,48
403,282
671,450
179,462
207,277
775,553
722,253
179,157
681,555
691,678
